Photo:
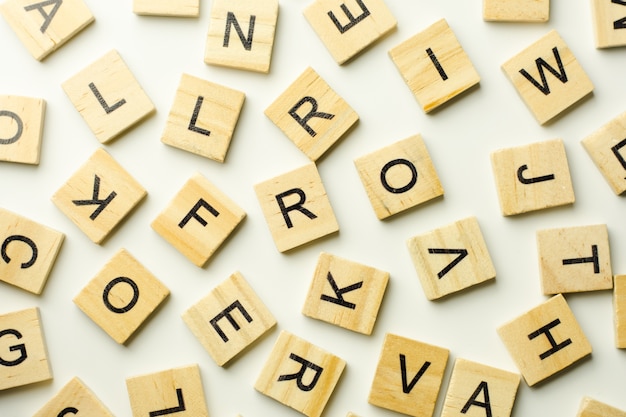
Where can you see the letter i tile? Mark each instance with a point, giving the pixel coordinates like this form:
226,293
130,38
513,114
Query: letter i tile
75,398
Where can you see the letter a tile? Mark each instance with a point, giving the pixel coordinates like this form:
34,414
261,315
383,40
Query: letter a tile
619,310
594,408
175,8
516,10
609,22
21,129
75,398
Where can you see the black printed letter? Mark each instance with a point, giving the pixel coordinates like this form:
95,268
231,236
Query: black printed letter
20,238
408,386
532,180
300,374
391,164
131,303
621,23
19,130
226,314
47,17
68,410
592,259
231,20
180,407
193,213
107,109
298,206
461,252
302,121
546,330
20,348
353,20
95,200
194,118
437,65
339,292
472,401
541,64
618,155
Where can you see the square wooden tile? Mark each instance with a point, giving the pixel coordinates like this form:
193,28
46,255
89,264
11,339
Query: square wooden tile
75,398
408,376
175,8
29,250
311,114
451,258
545,340
229,319
296,207
399,176
548,77
21,129
516,10
44,26
241,34
203,117
574,259
619,310
434,65
594,408
300,375
345,293
532,177
121,296
22,349
98,196
198,219
108,97
609,22
348,27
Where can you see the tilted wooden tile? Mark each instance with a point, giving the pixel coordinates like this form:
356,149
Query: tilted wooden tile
23,356
108,97
348,27
399,176
516,10
198,220
229,319
609,22
176,8
594,408
241,34
408,376
619,310
29,250
548,77
345,293
296,207
121,296
44,26
98,196
300,375
75,398
532,177
451,258
434,65
21,129
311,114
545,340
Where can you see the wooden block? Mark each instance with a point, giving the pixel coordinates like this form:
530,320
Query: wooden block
434,66
594,408
480,390
74,398
203,118
311,114
175,8
229,319
451,258
21,129
348,27
241,34
29,250
108,97
548,77
300,375
408,376
98,196
545,340
345,293
532,177
399,176
198,220
516,10
619,310
22,349
177,390
574,259
43,26
609,20
122,296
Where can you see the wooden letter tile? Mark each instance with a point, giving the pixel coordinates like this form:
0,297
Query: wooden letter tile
176,8
21,129
548,77
619,310
594,408
434,65
516,10
609,21
74,398
545,340
300,375
121,296
198,220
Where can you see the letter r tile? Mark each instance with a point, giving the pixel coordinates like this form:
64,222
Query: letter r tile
76,398
590,407
21,129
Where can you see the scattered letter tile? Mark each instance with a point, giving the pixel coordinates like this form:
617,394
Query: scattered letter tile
594,408
74,398
619,310
516,10
21,129
609,22
176,8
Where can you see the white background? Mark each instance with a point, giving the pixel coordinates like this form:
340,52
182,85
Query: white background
459,137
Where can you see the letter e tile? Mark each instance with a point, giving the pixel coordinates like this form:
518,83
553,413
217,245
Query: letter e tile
21,129
74,398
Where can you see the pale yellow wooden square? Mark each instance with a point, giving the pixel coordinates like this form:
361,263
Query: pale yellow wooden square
594,408
545,340
21,129
548,77
75,398
434,66
23,355
98,196
345,293
532,177
108,97
241,34
399,176
28,251
408,376
198,219
229,319
348,27
516,10
574,259
300,375
121,296
451,258
178,391
44,26
176,8
609,23
619,310
203,117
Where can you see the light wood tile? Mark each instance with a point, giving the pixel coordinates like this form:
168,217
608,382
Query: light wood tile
75,398
175,8
619,310
594,408
516,10
609,22
21,129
